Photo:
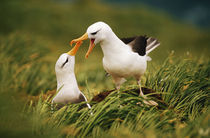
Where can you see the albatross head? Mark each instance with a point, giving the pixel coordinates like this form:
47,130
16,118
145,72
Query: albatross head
65,63
97,33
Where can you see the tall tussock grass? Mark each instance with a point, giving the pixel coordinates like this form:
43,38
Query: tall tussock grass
22,66
182,83
27,68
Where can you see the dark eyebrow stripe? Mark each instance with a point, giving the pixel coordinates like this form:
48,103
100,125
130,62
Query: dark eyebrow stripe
64,63
95,32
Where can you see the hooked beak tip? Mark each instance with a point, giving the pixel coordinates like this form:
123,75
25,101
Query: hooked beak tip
83,37
74,50
71,42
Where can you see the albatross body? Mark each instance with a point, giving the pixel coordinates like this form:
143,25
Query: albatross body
123,58
121,62
67,87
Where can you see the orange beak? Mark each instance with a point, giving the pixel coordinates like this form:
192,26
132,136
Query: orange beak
79,40
91,46
73,51
84,37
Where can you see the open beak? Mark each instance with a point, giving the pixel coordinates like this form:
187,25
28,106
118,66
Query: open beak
73,51
79,40
91,46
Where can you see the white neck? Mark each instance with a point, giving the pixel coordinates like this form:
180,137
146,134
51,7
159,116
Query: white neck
112,45
67,80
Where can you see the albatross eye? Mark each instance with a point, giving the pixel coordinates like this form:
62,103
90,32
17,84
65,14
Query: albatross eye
94,33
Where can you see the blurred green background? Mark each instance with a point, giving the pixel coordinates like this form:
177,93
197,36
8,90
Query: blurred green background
33,34
53,23
56,22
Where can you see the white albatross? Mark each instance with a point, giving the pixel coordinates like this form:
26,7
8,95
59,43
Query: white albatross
123,58
68,91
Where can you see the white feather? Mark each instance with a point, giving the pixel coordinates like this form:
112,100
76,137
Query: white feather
119,60
68,91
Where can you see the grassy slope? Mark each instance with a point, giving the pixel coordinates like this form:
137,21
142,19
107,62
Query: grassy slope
27,66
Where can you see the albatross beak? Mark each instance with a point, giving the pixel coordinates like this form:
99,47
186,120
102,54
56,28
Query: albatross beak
78,40
73,51
84,37
91,46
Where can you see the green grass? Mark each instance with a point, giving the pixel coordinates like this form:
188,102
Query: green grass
30,47
20,55
183,83
185,91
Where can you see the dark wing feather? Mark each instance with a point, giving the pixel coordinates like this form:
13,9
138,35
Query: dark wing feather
138,44
128,40
141,44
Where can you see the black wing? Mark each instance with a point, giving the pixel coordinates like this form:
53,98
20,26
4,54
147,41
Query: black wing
138,44
141,44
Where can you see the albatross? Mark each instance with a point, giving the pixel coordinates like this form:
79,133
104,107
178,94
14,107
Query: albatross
67,87
123,58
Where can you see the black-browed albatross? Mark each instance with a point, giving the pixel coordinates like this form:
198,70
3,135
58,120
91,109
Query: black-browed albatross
122,57
68,91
